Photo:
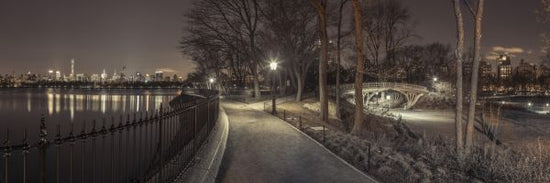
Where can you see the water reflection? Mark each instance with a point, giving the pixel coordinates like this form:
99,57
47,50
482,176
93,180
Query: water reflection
21,108
103,103
535,104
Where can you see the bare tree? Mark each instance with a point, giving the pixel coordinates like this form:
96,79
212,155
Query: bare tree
358,122
478,14
342,4
544,17
321,6
291,29
235,23
386,28
459,53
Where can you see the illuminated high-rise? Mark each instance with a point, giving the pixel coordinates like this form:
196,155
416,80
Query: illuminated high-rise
504,67
72,77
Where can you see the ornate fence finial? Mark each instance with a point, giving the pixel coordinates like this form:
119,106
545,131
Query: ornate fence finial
93,132
83,131
112,128
58,135
128,120
120,122
7,145
26,145
103,128
146,116
43,133
71,134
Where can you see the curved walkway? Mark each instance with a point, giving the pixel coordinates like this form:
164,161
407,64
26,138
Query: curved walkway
262,148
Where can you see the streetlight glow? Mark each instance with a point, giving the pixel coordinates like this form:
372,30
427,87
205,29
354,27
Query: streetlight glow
435,79
273,65
211,80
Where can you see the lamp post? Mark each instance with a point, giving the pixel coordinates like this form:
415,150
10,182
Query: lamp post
273,66
211,81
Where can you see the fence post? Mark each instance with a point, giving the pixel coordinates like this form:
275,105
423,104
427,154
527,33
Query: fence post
57,146
72,142
112,130
195,128
43,145
208,116
369,157
25,151
83,137
7,154
324,129
160,144
93,135
301,122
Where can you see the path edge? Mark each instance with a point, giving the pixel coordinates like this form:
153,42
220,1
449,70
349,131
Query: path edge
208,159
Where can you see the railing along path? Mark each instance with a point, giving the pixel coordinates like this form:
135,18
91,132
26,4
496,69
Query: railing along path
142,147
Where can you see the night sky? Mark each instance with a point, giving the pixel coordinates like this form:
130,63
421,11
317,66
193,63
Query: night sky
37,35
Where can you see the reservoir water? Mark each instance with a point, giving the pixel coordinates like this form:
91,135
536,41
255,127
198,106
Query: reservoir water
21,110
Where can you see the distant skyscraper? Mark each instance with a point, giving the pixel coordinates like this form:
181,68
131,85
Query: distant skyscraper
504,67
527,69
159,75
104,75
72,69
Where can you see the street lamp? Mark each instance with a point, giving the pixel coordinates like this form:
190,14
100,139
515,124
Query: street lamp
273,66
435,79
211,81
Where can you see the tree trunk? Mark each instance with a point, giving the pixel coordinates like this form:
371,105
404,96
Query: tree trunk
300,89
320,5
257,93
459,56
475,75
339,59
358,123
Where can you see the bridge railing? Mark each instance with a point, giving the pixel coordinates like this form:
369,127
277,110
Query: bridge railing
138,147
390,85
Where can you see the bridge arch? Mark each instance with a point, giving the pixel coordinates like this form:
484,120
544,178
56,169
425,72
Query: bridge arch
411,92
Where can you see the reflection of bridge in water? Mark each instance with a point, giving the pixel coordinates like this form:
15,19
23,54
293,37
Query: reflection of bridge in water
411,92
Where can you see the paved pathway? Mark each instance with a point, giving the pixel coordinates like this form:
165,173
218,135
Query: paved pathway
262,148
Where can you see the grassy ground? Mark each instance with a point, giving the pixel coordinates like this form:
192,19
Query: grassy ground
392,152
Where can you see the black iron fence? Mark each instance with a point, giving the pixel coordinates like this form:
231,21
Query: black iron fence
141,147
319,131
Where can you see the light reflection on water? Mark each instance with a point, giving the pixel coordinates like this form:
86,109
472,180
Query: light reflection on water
535,104
21,108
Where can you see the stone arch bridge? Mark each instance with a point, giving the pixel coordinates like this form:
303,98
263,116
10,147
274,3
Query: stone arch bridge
411,92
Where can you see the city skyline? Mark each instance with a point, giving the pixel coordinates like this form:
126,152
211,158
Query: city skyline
145,35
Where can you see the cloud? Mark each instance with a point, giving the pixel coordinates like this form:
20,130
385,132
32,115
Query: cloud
509,50
167,70
491,57
496,51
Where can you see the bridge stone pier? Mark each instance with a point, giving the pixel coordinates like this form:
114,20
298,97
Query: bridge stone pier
411,92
